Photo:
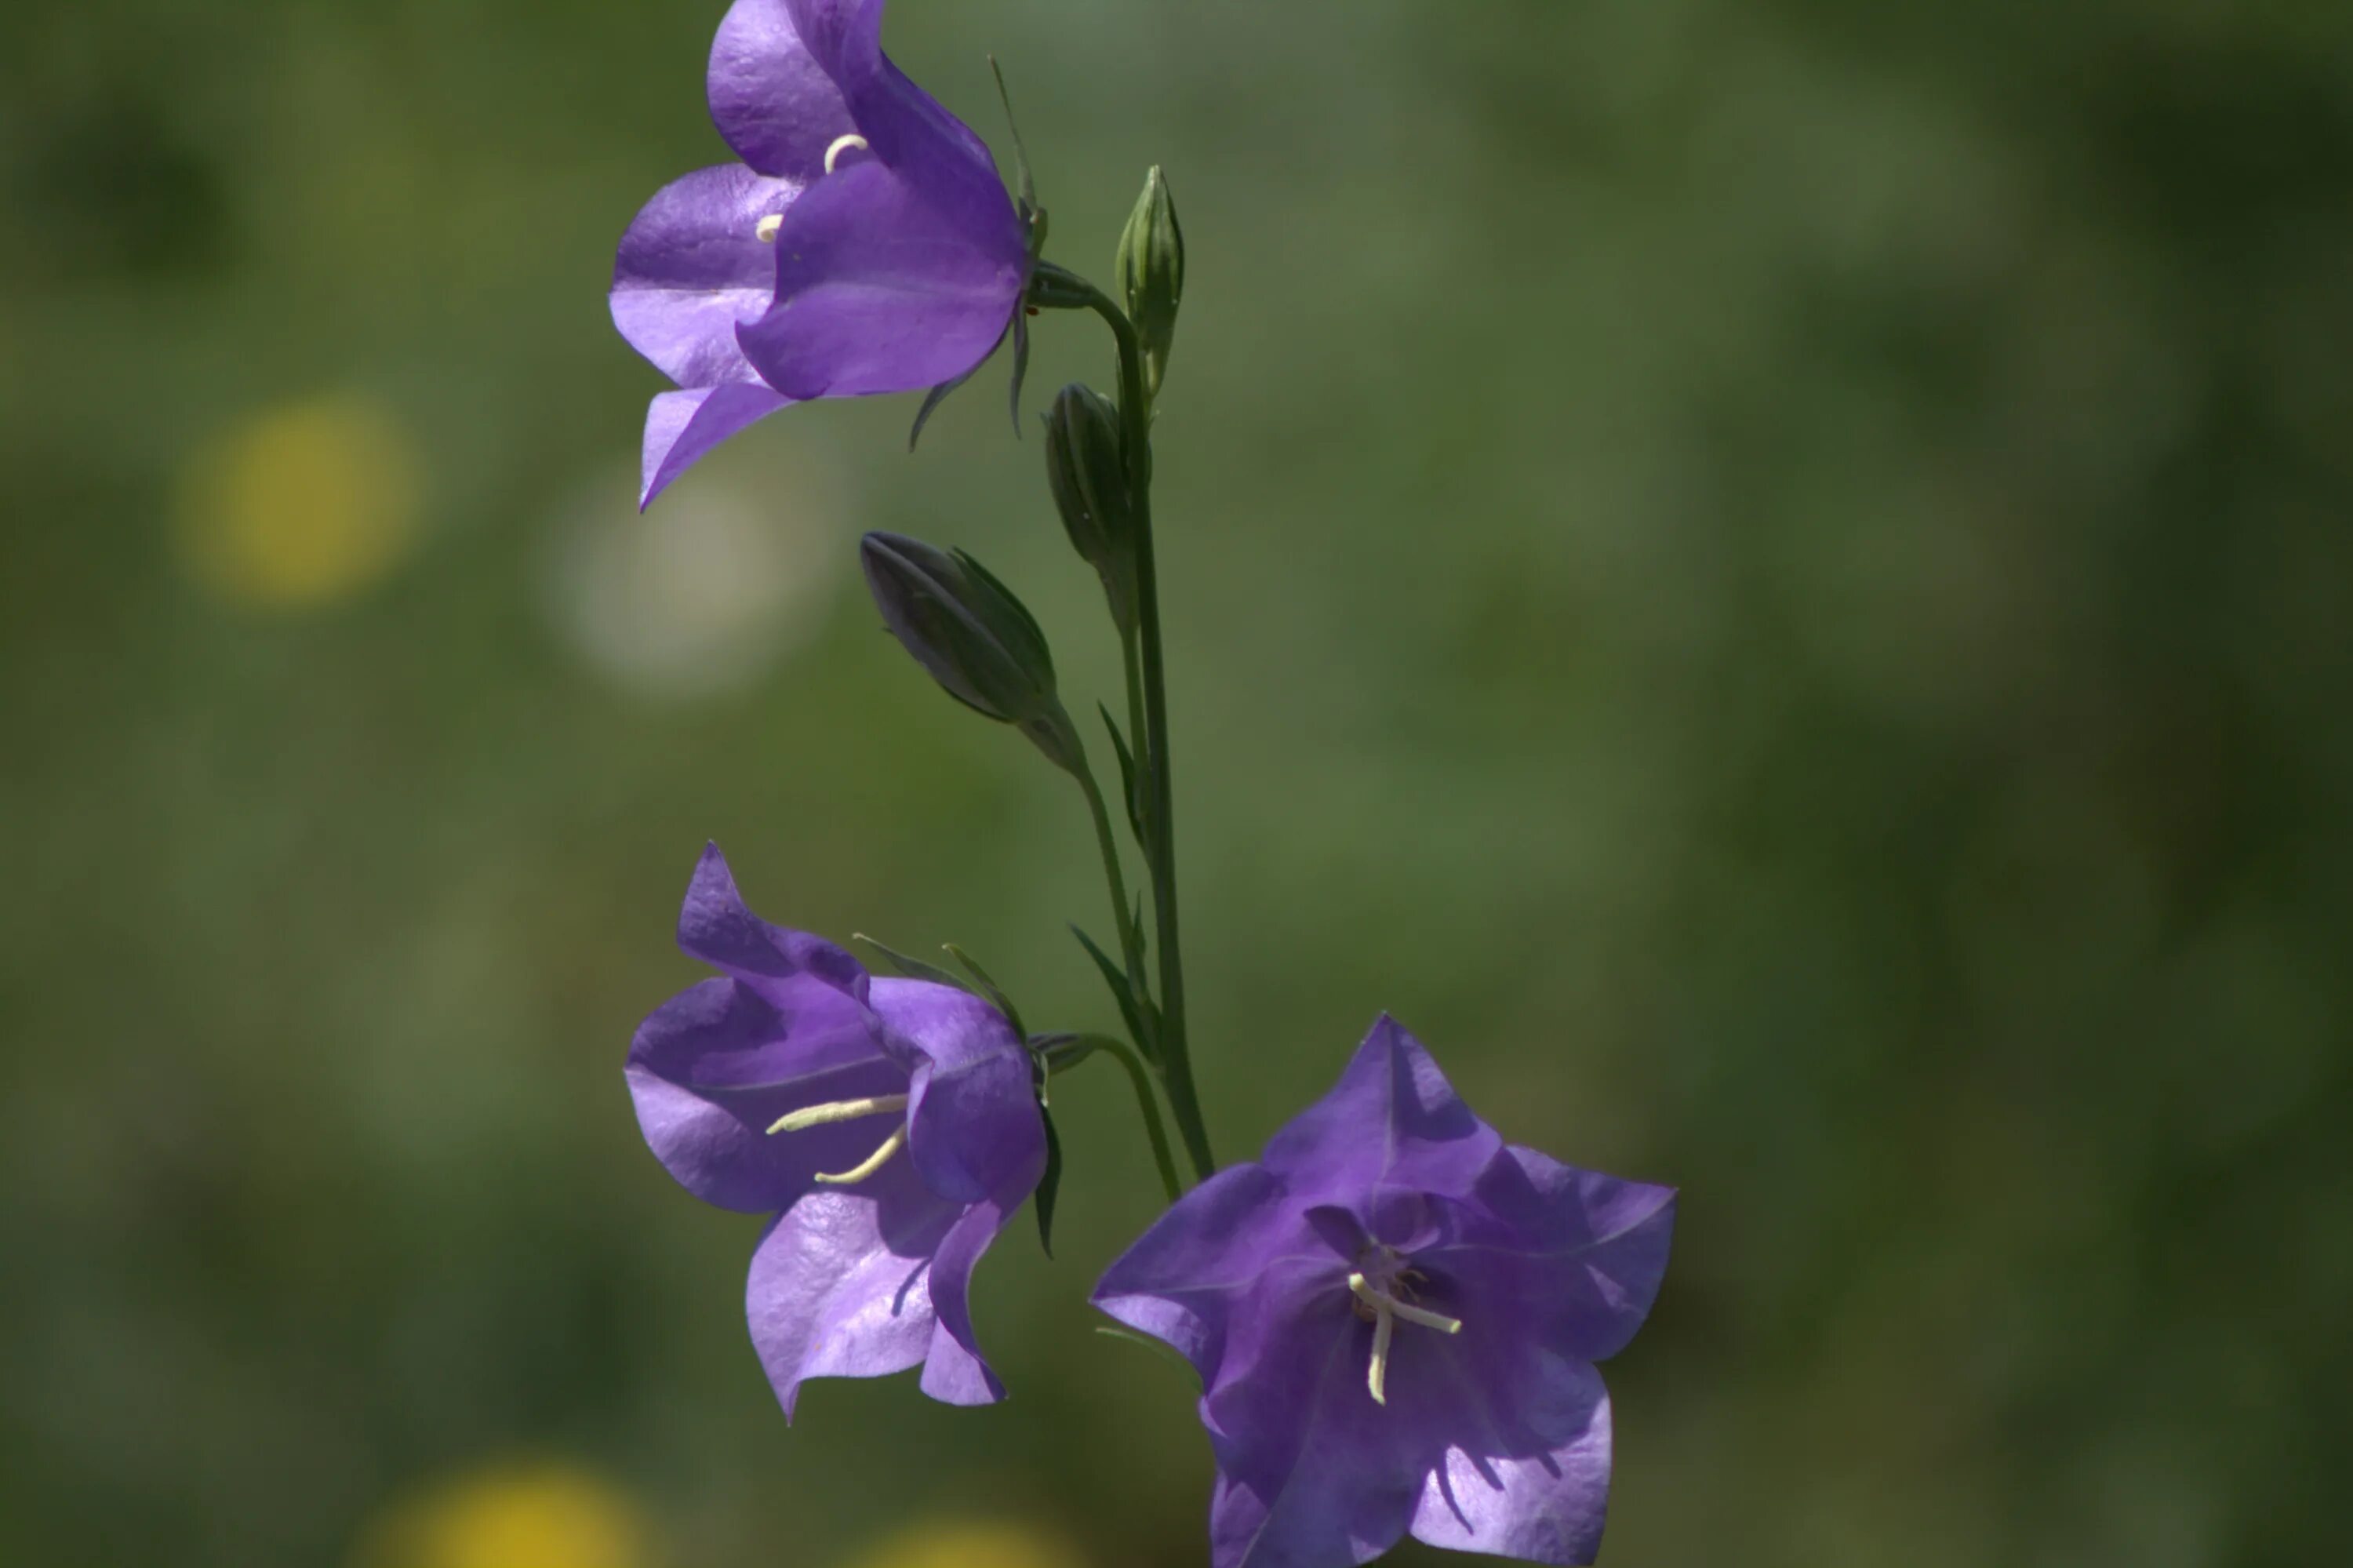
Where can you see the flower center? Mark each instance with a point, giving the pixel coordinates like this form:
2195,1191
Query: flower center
1383,1294
849,1110
765,231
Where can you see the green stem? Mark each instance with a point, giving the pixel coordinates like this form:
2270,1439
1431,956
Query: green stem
1082,1045
1160,852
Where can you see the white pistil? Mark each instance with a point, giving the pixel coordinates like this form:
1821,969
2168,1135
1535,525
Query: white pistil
837,1110
765,231
1376,1376
842,145
873,1162
1386,1310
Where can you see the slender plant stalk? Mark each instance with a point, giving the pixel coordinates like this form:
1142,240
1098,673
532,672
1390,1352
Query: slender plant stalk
1160,851
1140,1077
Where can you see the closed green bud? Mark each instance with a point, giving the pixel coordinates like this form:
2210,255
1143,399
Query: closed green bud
1152,274
1088,478
973,636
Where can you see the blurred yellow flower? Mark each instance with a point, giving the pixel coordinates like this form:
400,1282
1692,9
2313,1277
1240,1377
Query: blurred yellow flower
301,505
521,1516
973,1544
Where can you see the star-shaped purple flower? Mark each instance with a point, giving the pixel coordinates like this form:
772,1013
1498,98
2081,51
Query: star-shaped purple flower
1395,1315
864,244
888,1124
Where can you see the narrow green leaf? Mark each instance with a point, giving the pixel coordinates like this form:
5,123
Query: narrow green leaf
1120,991
1128,795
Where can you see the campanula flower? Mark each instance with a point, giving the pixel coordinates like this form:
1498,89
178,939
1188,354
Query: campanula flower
1395,1315
889,1124
864,243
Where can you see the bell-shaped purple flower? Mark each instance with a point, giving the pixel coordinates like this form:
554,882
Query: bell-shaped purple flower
864,244
1395,1315
888,1124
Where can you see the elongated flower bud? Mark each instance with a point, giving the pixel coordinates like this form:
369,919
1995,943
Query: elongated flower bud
1152,274
1089,478
973,636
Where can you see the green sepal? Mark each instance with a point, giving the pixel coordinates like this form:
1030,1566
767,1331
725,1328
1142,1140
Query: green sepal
1049,1184
987,985
1160,1348
913,968
932,400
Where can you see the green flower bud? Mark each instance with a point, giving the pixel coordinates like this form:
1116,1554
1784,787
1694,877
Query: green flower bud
1152,274
973,636
1085,470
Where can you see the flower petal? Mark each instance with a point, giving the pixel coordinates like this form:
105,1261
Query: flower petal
837,1287
774,91
692,267
1310,1471
715,925
955,1372
1545,1505
1574,1255
1182,1279
714,1068
883,287
683,427
1392,1120
972,1118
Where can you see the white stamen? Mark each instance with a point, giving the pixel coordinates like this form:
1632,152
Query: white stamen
1386,1310
874,1162
765,231
837,1110
842,145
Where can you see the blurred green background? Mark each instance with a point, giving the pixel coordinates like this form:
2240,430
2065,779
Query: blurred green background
1774,577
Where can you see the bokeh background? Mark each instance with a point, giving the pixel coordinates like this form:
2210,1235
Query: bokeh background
1774,577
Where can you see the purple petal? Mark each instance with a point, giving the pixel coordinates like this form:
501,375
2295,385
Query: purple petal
1572,1256
837,1286
774,91
972,1118
1392,1120
692,268
682,427
1309,1471
716,925
1545,1505
1182,1280
955,1372
882,287
714,1068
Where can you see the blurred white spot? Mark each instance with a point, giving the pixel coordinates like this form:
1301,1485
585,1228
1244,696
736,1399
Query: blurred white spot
729,571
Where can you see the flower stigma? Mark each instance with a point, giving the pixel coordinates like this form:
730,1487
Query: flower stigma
842,145
765,231
1385,1310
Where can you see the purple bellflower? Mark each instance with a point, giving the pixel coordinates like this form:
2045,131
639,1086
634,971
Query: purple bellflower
864,243
1395,1315
888,1124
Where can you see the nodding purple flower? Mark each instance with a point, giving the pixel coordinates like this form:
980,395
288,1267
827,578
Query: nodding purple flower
1395,1315
889,1124
864,244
